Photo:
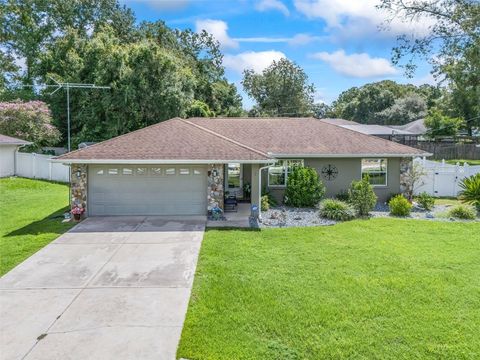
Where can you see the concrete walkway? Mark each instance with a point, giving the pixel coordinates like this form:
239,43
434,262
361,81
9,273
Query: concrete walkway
110,288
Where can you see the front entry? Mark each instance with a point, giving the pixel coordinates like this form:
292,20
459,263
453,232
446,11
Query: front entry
234,180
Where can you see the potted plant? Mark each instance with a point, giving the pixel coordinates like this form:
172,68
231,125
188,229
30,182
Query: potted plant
77,212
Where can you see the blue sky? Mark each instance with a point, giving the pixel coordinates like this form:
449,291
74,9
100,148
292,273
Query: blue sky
337,42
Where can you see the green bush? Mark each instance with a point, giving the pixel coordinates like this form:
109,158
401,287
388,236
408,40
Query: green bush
362,197
304,187
426,201
399,206
470,193
336,210
265,203
462,212
343,196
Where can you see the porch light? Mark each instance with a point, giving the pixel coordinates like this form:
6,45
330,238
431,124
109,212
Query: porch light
78,173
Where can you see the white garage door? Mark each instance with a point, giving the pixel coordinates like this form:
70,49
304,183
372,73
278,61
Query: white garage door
147,190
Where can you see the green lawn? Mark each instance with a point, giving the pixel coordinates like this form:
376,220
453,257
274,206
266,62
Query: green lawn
367,289
461,161
30,217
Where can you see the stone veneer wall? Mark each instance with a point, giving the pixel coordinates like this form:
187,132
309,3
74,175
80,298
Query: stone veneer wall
405,166
78,186
215,186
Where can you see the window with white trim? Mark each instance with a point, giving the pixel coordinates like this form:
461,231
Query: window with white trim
127,171
278,173
376,169
184,171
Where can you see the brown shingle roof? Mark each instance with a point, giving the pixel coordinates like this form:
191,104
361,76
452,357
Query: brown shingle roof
302,136
174,139
230,139
8,140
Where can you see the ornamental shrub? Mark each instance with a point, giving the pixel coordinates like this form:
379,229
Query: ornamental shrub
265,204
399,206
362,197
426,201
336,210
462,212
304,187
470,193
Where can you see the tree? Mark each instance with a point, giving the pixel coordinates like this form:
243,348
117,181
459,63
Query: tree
441,125
282,89
384,102
404,110
321,110
31,121
452,46
199,109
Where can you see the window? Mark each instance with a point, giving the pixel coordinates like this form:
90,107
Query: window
278,174
197,172
170,171
376,169
141,171
184,171
113,171
127,171
100,172
234,176
156,171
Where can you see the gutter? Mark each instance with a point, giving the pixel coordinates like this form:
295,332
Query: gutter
155,161
340,156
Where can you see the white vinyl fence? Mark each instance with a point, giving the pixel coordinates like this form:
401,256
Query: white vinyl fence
443,179
36,166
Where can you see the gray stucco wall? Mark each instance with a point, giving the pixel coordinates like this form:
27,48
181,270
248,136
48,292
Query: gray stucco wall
348,170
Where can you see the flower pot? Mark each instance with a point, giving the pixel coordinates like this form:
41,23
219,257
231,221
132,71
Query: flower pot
76,217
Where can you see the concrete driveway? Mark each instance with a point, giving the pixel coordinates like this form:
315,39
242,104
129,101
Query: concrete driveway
110,288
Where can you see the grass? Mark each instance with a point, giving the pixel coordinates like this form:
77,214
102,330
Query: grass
366,289
461,161
30,217
452,201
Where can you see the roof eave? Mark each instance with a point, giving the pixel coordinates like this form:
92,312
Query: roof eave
289,155
159,161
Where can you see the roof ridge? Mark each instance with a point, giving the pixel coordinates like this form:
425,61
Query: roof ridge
225,138
119,136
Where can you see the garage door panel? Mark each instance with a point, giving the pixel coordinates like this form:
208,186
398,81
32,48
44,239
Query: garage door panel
117,190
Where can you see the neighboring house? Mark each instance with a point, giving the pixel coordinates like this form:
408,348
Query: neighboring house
8,147
382,131
416,127
184,167
340,122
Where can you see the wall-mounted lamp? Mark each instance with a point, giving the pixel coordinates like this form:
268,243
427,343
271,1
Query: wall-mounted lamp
215,172
78,173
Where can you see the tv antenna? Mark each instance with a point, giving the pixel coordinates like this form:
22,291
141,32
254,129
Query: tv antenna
67,86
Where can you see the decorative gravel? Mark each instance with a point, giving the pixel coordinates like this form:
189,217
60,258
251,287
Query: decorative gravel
438,213
292,217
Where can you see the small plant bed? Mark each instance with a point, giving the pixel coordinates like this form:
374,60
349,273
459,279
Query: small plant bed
438,213
292,217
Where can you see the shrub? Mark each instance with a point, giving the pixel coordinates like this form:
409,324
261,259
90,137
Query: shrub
470,193
304,187
462,212
362,196
265,204
336,210
343,196
426,201
399,206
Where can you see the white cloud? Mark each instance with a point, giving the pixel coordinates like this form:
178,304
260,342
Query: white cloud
264,5
356,65
218,29
256,61
357,18
303,39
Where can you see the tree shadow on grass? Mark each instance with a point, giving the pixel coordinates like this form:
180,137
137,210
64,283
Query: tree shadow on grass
51,224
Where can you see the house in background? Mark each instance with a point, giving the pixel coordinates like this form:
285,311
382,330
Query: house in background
8,147
185,167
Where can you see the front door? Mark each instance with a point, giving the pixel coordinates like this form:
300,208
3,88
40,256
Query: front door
234,180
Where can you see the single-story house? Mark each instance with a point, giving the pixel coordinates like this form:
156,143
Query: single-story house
8,147
188,166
